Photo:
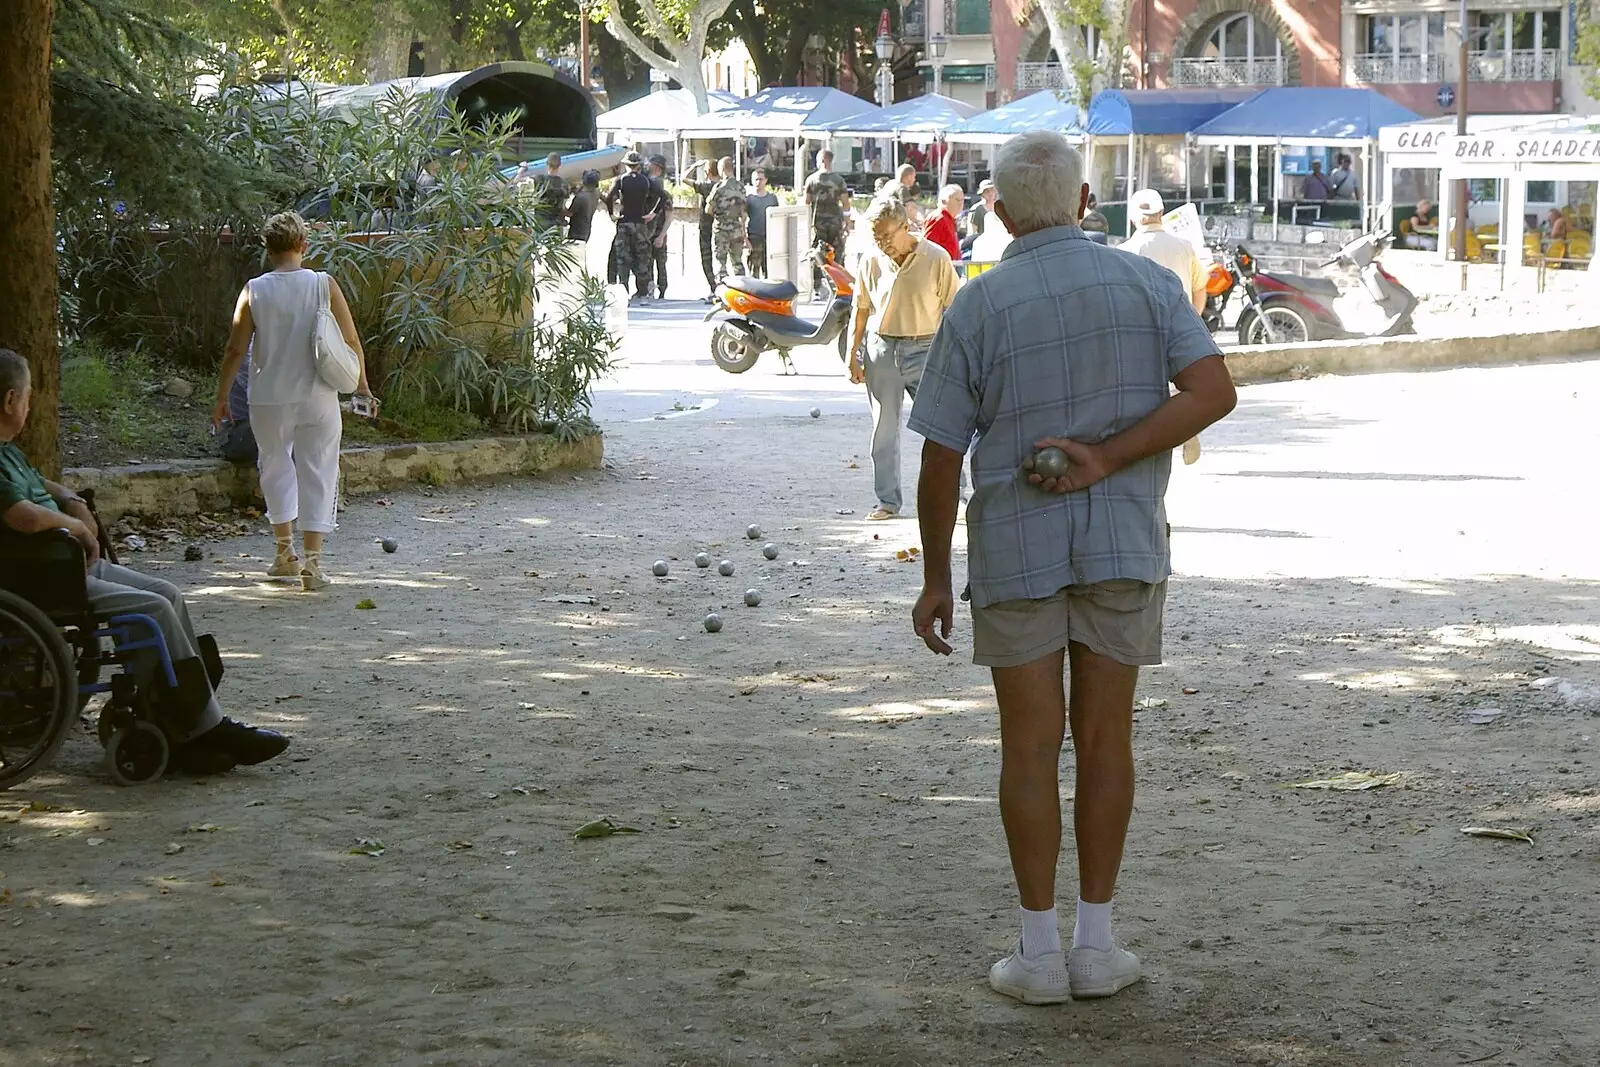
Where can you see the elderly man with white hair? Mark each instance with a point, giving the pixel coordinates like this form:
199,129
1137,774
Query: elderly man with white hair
1074,345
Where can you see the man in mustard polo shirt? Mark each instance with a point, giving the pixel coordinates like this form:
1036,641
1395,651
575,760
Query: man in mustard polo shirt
207,742
903,288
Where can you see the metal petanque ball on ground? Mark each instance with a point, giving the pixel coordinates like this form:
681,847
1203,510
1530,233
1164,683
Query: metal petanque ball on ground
702,560
725,568
752,598
816,413
390,545
753,532
193,554
769,550
659,568
713,623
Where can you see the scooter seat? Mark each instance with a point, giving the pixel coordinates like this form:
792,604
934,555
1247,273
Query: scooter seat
1319,286
788,327
760,287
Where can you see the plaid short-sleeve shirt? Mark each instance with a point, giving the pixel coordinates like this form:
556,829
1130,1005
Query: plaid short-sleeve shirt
1063,338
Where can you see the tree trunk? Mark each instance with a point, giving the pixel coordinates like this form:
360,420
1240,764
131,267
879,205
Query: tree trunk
28,221
794,53
625,76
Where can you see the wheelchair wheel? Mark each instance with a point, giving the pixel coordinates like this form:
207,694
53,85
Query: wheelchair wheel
137,753
38,690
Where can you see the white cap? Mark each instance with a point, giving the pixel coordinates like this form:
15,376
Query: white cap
1146,202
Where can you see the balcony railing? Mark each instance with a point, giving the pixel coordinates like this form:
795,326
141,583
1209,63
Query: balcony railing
1031,76
1203,71
1523,65
1527,65
1384,68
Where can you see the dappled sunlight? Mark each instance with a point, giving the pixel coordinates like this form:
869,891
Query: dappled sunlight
534,521
1383,679
935,798
67,899
1572,803
1580,642
902,711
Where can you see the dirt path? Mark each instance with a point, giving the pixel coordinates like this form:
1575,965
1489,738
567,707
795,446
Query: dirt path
819,876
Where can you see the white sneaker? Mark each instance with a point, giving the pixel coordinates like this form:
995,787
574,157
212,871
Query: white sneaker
1031,979
1097,972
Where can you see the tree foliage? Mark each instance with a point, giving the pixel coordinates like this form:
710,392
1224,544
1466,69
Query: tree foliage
777,33
681,31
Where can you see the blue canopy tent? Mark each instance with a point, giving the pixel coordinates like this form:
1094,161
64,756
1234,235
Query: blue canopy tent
1142,115
786,112
658,117
919,120
1308,117
1043,110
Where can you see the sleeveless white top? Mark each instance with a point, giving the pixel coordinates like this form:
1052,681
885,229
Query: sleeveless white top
283,366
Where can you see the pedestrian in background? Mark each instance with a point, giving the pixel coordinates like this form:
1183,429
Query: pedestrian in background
828,198
728,213
1075,346
979,214
704,189
294,414
658,239
942,226
1152,241
1094,225
580,213
756,204
906,191
902,289
633,201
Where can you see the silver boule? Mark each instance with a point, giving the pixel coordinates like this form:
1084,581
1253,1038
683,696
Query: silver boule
659,568
725,568
713,623
752,598
702,560
769,550
1050,463
753,532
816,413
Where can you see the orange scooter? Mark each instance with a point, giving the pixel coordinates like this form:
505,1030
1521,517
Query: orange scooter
763,317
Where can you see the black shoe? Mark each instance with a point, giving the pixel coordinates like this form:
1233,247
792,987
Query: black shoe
200,760
245,745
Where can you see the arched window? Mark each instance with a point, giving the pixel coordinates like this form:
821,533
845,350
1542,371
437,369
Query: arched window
1236,49
1239,36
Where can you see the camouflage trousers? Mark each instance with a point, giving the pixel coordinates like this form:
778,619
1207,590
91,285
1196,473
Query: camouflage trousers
631,248
830,231
727,251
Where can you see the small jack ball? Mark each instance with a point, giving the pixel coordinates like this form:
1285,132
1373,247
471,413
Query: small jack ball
769,550
725,568
816,413
753,532
752,598
390,545
713,623
702,560
659,568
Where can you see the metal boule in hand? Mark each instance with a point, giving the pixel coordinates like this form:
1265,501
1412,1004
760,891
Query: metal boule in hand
1050,463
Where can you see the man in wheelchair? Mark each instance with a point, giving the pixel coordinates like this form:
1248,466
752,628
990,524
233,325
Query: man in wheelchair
202,739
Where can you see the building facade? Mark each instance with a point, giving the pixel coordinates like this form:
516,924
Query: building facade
1521,57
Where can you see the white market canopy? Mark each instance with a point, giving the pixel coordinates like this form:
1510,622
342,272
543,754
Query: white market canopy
921,120
1417,144
779,112
1560,149
659,116
1043,110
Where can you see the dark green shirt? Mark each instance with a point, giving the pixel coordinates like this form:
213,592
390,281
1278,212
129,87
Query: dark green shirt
19,482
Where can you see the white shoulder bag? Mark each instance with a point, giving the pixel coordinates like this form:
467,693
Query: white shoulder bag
337,363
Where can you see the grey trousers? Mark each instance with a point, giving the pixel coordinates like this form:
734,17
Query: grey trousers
115,590
894,370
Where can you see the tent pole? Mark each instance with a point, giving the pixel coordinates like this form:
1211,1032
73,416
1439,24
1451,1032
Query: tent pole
1366,186
738,157
1277,185
1188,154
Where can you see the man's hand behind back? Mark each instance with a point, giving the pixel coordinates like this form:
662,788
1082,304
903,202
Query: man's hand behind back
1086,465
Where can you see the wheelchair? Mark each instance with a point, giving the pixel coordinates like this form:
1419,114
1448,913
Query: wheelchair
54,651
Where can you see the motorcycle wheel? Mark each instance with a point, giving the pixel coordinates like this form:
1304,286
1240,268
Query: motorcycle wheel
1289,325
730,352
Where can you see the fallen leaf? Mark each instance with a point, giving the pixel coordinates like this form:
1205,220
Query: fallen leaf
365,605
97,840
203,828
1152,702
1483,716
173,849
569,598
367,846
1503,833
459,846
1350,780
216,880
602,828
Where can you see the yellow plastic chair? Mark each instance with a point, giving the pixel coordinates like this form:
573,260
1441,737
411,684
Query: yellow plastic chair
1580,246
1556,251
1474,247
1532,249
1405,230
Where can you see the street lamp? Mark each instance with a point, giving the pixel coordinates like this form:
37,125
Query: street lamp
884,46
937,46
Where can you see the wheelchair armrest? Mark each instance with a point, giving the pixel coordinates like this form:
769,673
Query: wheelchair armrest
47,570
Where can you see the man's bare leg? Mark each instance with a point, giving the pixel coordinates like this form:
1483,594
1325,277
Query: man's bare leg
1101,713
1032,701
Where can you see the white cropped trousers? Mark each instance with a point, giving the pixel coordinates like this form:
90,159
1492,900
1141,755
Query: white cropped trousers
298,447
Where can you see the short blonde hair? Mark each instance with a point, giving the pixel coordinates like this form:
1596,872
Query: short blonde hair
284,232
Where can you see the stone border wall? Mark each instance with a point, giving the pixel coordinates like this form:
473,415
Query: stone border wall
1254,363
190,487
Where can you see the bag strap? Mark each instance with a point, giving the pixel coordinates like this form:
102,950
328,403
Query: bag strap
324,292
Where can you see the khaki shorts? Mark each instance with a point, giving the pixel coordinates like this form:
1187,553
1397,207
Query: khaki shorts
1120,620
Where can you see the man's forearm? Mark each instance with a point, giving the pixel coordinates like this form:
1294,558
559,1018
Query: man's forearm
30,518
1198,299
59,492
1182,417
938,498
858,329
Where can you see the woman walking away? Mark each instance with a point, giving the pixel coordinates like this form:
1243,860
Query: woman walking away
294,413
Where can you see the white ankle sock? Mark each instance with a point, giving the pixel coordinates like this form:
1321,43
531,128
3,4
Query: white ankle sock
1093,926
1040,934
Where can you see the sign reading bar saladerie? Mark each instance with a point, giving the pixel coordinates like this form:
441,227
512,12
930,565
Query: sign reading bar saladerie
1514,147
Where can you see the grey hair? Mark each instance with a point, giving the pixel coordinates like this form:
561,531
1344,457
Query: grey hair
1040,180
887,209
13,373
950,190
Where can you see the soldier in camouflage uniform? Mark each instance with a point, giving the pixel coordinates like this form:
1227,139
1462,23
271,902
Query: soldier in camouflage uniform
728,214
827,195
640,200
